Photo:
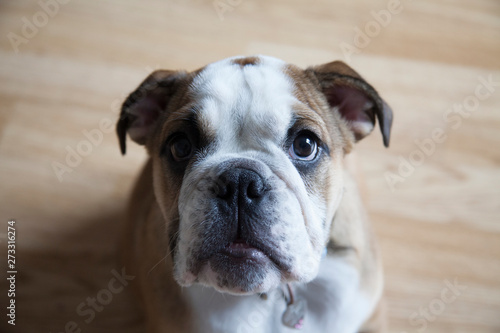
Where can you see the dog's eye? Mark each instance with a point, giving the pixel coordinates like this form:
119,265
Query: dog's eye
304,147
181,148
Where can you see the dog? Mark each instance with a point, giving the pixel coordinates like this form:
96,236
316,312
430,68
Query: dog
245,217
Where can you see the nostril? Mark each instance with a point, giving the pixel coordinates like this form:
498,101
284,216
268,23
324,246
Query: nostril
255,189
221,189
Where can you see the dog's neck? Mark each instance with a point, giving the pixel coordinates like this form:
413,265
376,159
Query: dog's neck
326,296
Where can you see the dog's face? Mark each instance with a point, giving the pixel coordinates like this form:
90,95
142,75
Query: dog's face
247,163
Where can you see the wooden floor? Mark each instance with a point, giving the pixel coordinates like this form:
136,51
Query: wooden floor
434,195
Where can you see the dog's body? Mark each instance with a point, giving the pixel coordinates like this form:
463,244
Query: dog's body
244,193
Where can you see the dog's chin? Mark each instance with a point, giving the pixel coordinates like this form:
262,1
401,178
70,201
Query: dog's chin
239,269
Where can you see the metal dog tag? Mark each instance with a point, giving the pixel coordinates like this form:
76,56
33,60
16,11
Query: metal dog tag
294,314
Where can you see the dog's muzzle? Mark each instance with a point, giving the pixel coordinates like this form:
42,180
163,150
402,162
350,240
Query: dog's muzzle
236,241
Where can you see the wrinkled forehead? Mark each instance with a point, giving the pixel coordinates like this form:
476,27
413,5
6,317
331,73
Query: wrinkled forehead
244,99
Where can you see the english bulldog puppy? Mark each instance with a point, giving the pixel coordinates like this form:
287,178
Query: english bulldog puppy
245,217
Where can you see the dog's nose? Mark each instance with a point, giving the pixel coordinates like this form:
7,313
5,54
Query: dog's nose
239,184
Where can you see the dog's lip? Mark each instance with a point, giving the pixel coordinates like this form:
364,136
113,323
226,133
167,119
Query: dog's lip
241,249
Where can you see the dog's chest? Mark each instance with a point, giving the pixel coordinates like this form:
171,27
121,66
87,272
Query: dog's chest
334,304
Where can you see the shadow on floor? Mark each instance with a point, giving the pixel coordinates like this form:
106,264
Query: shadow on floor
75,284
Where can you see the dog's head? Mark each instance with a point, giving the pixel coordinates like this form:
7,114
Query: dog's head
247,164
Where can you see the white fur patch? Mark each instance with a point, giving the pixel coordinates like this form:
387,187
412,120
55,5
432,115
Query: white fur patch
246,105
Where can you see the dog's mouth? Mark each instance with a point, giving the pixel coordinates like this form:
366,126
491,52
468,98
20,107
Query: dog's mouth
243,266
242,251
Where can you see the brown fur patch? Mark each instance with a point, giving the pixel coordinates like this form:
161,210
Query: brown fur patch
248,61
307,91
146,255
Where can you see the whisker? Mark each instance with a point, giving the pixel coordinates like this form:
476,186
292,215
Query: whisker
162,259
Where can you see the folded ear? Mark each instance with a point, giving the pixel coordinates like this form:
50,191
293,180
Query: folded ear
142,108
357,101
